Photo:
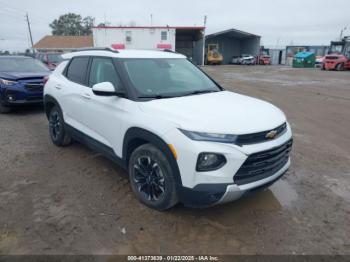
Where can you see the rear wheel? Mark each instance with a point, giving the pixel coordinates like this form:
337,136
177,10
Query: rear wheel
4,109
58,134
340,67
151,178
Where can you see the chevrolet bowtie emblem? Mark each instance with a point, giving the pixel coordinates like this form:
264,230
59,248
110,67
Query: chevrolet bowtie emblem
271,134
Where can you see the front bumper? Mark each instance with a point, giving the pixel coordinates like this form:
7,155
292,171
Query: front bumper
228,183
19,96
234,192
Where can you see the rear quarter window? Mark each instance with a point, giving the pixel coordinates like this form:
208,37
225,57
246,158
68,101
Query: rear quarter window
77,69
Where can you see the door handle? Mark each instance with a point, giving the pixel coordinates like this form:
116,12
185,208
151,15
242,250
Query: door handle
59,87
86,96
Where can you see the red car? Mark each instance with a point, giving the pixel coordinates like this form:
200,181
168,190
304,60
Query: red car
51,60
265,60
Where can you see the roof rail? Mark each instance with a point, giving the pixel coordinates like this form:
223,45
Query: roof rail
97,49
169,51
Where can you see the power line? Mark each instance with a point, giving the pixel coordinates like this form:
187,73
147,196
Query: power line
22,11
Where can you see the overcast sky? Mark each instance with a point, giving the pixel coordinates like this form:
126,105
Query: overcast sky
279,22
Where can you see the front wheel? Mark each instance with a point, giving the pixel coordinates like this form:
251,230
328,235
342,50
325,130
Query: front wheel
58,134
151,178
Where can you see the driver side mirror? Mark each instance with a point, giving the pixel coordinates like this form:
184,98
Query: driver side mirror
106,89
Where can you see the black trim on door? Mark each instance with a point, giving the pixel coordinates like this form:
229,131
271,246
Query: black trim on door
95,145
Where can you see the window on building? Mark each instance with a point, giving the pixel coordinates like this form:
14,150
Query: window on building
128,37
164,35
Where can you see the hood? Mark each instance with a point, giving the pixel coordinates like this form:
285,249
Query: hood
221,112
22,75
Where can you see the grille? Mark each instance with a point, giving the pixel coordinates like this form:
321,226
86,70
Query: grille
261,136
35,87
263,164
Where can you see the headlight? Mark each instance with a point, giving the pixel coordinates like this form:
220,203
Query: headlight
200,136
7,82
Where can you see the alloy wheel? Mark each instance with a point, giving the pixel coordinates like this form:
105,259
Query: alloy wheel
149,178
55,125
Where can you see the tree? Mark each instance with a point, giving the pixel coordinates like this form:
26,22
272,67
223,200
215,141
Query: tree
72,24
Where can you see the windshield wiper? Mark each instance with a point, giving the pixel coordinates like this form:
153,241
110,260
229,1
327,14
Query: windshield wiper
155,96
197,92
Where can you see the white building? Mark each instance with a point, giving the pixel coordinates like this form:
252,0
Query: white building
184,40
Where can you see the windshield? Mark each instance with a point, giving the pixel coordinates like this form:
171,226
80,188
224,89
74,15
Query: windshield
167,77
54,58
336,48
15,64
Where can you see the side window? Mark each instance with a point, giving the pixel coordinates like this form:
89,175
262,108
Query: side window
103,70
77,70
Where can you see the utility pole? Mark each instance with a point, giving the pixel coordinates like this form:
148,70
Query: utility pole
205,24
30,32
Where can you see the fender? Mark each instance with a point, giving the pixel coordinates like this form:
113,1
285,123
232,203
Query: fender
144,136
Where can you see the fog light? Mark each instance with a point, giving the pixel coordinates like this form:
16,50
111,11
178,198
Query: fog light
210,162
10,98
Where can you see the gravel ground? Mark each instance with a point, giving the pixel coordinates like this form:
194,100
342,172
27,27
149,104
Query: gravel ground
73,201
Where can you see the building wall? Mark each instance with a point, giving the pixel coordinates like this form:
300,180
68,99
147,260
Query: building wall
250,46
141,38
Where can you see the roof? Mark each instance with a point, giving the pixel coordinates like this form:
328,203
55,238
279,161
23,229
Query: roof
15,56
64,42
128,53
150,27
234,33
303,54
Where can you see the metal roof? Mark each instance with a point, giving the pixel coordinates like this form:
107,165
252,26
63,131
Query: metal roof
234,33
64,42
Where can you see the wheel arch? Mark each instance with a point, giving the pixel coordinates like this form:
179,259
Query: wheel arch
49,103
136,137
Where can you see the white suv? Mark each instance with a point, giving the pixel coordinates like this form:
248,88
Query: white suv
179,134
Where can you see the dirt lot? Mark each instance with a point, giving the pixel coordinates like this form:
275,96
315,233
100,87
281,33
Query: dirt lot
73,201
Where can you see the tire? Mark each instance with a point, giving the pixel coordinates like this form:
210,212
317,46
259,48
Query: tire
340,67
151,178
58,134
4,109
323,67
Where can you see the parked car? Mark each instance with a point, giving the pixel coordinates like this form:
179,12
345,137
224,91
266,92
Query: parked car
21,81
319,61
178,133
235,60
246,59
50,59
264,60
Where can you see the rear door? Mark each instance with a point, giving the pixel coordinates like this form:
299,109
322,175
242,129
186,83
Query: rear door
72,91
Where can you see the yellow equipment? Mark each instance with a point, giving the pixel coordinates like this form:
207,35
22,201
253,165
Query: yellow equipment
214,57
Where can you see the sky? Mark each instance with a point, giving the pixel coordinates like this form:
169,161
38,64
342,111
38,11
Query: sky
279,22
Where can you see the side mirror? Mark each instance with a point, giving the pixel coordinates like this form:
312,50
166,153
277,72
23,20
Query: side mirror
106,89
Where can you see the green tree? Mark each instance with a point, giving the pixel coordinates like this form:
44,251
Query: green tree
72,24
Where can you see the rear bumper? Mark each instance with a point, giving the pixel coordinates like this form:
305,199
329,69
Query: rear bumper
206,195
